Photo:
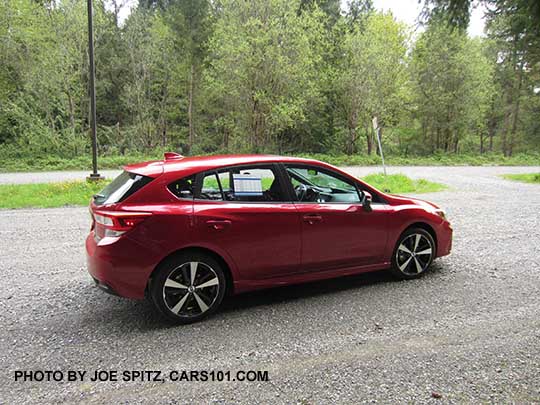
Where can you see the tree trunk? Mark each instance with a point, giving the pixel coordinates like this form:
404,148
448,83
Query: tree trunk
71,112
515,113
353,122
491,142
424,130
164,132
504,135
369,139
190,108
352,140
226,138
116,11
256,126
481,143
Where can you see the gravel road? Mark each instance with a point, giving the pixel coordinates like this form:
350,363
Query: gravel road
50,177
468,330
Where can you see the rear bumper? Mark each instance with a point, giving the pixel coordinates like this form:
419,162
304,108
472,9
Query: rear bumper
104,287
121,268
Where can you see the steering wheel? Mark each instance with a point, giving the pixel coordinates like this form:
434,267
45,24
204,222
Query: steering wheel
307,193
301,191
312,194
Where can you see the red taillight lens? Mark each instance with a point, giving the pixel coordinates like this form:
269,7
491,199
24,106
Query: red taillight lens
130,222
113,224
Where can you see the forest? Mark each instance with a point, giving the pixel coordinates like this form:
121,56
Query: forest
268,76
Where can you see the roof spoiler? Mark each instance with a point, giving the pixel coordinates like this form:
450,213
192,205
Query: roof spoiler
172,156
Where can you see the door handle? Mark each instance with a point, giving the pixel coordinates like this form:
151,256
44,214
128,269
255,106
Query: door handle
312,218
218,224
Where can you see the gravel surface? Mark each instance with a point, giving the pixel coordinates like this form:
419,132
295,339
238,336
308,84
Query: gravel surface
50,177
468,331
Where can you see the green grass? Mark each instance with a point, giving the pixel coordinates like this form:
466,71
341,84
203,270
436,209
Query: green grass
525,177
399,183
73,193
48,195
49,163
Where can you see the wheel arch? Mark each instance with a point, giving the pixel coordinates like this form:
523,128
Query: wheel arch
426,227
201,250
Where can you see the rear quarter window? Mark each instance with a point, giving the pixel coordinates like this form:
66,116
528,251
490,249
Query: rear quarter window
126,184
183,188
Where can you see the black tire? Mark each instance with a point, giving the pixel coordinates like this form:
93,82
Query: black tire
188,297
413,254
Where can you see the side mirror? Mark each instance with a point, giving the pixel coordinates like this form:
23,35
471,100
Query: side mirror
366,203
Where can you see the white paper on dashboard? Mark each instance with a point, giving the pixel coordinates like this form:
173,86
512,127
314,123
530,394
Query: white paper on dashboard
247,184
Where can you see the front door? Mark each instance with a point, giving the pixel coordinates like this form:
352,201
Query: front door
336,231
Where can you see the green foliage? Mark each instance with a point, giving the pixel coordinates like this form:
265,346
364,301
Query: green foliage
453,88
273,76
372,79
525,177
263,70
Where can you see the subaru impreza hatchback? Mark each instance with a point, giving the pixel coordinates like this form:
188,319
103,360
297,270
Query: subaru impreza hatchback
186,231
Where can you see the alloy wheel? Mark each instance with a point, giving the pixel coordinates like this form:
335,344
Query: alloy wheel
191,289
414,254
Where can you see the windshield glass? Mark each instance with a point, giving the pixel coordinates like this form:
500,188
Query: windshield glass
121,188
319,179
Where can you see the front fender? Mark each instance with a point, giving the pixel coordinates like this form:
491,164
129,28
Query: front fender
405,216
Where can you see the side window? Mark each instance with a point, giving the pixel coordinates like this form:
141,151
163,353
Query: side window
313,185
225,181
249,184
211,189
183,188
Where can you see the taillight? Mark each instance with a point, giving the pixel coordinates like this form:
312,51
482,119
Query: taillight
113,224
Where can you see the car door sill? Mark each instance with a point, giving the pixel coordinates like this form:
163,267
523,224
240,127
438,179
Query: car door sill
298,278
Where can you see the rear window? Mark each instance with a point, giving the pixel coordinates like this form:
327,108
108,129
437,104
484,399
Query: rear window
121,188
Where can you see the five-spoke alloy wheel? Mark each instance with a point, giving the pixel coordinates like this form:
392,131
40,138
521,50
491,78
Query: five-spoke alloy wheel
188,287
413,254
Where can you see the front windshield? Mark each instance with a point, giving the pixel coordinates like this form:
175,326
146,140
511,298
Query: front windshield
321,180
312,185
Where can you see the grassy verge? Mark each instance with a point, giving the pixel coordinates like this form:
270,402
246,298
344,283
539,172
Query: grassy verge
79,192
50,163
399,183
525,177
48,195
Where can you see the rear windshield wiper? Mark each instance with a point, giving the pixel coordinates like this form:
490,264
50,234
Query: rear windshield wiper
98,196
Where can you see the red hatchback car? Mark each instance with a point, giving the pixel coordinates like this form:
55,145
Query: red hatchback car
185,231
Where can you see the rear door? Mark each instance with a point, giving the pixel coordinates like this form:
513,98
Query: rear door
245,211
336,231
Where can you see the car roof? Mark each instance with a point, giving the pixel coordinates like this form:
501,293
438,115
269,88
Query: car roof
194,164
